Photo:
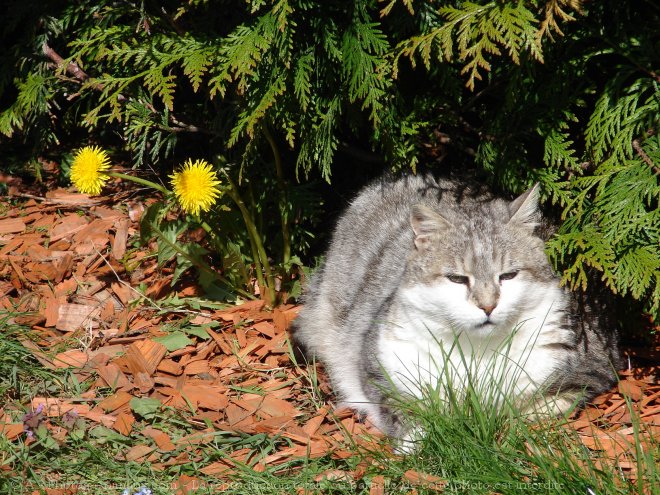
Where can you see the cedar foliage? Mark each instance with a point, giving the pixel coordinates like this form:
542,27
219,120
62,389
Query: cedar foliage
563,92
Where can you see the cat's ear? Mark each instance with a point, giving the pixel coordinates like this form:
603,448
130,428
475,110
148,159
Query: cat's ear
426,224
524,209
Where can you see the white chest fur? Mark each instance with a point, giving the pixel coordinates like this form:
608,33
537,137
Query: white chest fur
419,348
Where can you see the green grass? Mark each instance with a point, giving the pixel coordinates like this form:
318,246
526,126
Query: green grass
480,451
21,374
478,440
477,448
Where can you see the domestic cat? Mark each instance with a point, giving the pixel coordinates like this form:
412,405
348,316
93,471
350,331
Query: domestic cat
419,266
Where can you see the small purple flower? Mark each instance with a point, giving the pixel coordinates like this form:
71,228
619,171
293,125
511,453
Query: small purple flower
142,491
32,420
70,417
28,432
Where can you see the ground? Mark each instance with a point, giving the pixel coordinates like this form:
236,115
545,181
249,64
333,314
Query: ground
158,376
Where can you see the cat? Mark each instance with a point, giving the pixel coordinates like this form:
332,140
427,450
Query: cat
419,266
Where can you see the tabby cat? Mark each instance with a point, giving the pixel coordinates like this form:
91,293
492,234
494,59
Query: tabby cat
419,267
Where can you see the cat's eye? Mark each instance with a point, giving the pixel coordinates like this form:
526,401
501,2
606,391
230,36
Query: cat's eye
508,275
459,279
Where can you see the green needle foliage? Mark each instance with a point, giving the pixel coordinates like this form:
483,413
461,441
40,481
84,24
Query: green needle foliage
278,92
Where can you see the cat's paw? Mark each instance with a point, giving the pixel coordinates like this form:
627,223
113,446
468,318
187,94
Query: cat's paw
551,406
409,442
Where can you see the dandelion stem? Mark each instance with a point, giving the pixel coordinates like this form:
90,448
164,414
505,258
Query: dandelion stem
259,252
139,180
283,202
200,265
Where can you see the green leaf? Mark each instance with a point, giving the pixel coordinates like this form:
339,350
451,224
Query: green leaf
478,31
301,79
150,220
197,332
365,69
168,235
103,435
146,408
619,116
175,341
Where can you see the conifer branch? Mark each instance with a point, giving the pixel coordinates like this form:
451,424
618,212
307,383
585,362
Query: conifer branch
81,76
183,127
73,69
642,154
327,81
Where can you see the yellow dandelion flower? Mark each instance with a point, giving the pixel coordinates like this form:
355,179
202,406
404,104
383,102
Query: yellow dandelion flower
196,186
88,170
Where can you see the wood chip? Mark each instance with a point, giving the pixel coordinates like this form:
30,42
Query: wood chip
197,367
37,252
63,267
136,453
274,425
113,376
52,311
162,439
119,241
103,212
377,485
11,225
11,430
218,468
170,367
10,246
312,426
236,414
143,381
66,288
115,401
296,434
124,423
630,389
136,361
207,397
187,485
72,317
67,226
427,481
152,351
278,407
108,350
241,337
266,328
284,316
197,438
71,359
65,197
56,407
221,341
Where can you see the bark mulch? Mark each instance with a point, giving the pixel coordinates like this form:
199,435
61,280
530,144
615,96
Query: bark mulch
70,262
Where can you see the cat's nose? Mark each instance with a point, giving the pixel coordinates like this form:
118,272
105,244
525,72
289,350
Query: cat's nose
488,309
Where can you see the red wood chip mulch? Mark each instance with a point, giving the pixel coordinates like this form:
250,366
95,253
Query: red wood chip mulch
236,376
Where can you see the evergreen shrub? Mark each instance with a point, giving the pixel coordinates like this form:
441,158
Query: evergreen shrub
282,93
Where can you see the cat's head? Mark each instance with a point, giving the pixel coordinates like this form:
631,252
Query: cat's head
478,266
